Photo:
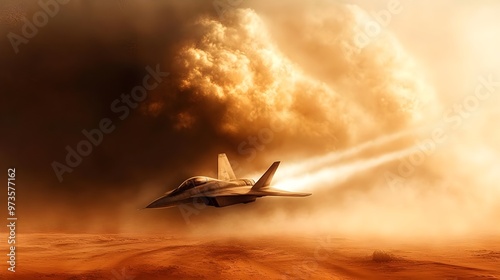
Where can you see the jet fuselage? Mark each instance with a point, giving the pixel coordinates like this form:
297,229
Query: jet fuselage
224,191
212,186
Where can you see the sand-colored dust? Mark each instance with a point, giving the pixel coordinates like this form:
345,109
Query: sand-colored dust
121,256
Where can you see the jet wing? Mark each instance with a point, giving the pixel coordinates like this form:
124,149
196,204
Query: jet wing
244,191
276,192
224,192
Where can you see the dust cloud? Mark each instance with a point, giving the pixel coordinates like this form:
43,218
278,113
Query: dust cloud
334,96
386,144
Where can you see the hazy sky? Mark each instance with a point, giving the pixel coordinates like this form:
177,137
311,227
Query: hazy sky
261,82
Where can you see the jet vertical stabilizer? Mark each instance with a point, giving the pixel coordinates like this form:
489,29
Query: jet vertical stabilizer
224,170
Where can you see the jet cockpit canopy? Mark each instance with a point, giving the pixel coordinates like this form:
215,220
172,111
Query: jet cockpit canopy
191,183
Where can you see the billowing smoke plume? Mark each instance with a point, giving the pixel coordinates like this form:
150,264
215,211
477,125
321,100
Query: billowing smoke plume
341,91
234,63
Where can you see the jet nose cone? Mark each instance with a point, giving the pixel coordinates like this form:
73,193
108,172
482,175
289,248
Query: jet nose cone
160,202
164,202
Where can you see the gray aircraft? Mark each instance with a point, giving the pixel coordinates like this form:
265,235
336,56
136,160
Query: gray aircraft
224,191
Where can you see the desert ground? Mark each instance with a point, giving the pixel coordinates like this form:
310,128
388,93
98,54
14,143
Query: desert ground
133,256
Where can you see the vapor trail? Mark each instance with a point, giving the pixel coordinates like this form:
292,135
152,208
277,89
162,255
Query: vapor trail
318,162
333,175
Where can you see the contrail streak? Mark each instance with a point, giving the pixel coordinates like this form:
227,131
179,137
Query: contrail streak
316,163
334,175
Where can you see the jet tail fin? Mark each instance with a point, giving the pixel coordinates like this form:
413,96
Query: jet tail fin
224,170
265,180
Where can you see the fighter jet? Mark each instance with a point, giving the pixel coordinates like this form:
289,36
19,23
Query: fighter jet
224,191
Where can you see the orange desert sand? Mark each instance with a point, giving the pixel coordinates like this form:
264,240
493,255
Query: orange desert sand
127,257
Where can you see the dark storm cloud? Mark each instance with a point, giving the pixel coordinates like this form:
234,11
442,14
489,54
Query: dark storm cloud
65,79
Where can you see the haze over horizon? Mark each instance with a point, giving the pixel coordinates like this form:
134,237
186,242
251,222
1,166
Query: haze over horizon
384,111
